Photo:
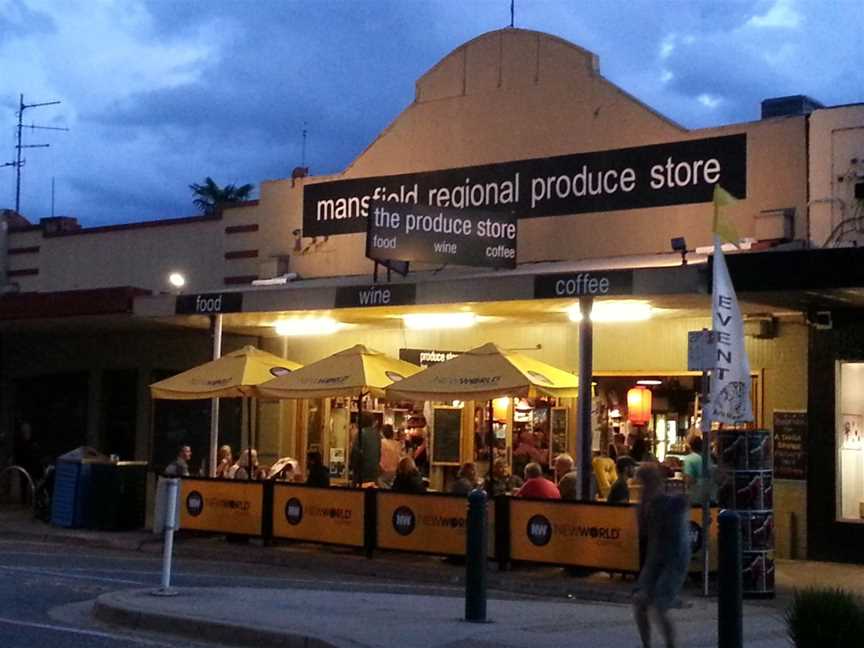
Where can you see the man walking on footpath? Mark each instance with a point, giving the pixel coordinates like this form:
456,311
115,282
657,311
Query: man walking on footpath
663,528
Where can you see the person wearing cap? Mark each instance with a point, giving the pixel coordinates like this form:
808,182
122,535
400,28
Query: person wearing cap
620,492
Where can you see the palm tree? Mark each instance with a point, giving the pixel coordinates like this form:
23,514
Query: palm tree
210,195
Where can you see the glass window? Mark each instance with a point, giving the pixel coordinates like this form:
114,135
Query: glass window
850,442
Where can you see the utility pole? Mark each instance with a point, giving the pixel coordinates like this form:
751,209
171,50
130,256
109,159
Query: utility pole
19,146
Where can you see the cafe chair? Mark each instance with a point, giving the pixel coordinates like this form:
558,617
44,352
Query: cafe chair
605,474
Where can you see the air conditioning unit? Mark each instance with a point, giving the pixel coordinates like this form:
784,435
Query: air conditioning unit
760,327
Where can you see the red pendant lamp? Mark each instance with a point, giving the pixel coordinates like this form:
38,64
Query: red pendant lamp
639,405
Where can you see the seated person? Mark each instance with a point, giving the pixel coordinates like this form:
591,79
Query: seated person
224,462
408,478
180,466
467,479
620,492
536,485
568,477
500,481
240,469
317,473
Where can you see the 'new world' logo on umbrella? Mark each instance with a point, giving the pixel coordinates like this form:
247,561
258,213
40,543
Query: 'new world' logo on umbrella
539,377
280,371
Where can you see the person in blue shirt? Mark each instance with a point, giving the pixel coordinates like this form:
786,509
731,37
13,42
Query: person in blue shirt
694,478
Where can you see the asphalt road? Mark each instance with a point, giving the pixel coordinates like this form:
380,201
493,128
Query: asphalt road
46,590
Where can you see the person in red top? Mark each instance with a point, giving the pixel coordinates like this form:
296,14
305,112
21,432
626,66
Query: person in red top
536,485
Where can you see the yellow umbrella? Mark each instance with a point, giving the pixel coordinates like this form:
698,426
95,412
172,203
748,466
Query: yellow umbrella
352,372
485,373
234,375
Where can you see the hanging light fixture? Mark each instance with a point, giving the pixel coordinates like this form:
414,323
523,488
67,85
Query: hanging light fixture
639,405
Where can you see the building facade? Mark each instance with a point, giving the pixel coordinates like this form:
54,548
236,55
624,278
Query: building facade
514,122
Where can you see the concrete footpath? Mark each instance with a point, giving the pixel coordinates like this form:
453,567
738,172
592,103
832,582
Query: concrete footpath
534,603
338,619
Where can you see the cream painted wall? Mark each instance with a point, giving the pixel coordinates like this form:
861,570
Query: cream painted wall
513,95
836,138
507,95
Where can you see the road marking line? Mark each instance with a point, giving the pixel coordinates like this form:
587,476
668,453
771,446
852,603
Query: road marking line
81,631
47,572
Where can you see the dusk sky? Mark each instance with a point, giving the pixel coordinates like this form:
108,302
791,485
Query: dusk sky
160,94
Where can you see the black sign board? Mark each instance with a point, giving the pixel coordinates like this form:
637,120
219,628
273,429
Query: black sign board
790,445
436,235
376,295
446,435
584,284
426,357
676,173
209,303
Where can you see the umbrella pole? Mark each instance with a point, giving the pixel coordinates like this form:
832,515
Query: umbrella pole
248,403
358,478
490,436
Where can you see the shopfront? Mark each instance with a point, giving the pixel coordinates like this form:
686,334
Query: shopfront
557,187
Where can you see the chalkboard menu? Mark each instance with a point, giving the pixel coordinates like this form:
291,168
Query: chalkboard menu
558,430
790,445
447,436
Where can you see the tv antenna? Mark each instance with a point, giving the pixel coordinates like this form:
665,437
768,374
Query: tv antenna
19,161
303,155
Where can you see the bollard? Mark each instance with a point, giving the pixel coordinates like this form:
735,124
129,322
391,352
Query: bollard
729,582
168,548
475,558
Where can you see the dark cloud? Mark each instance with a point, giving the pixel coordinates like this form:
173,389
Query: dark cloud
20,21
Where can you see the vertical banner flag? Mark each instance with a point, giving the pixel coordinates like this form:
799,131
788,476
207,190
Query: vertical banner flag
730,380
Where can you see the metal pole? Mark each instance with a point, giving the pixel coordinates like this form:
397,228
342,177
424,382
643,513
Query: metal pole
216,333
706,476
730,588
170,525
358,478
18,149
586,369
490,436
475,558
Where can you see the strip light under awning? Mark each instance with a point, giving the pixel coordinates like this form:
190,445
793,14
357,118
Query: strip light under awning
301,326
614,311
426,321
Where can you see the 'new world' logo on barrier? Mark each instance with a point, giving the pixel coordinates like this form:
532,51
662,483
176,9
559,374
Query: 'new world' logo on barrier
194,503
695,533
539,530
404,520
293,511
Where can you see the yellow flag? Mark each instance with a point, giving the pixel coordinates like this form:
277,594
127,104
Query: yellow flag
723,227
